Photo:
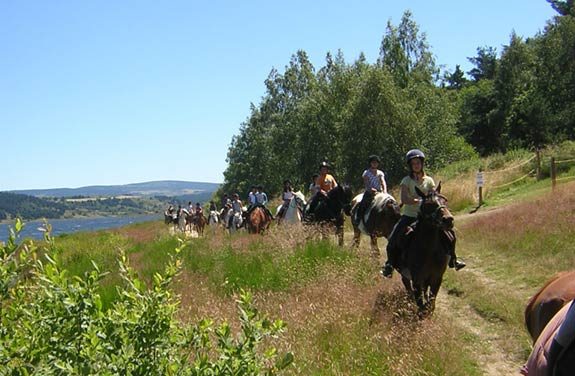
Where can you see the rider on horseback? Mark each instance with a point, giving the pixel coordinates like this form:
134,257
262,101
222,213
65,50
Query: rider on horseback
417,178
287,196
374,182
199,210
325,183
236,206
260,199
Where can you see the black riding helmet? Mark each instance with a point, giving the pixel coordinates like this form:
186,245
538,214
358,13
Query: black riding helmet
287,181
372,158
324,164
414,153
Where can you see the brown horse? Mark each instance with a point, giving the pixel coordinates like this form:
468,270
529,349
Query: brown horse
558,291
537,363
200,223
378,220
258,221
425,251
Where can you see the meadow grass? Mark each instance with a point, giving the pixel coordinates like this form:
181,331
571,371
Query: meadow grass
342,318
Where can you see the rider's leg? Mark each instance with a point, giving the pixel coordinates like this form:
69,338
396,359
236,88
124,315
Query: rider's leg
366,200
393,250
449,240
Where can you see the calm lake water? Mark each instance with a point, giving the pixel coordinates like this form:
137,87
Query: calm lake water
67,226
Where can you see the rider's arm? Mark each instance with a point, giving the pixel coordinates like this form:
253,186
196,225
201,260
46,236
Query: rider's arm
406,198
365,181
383,185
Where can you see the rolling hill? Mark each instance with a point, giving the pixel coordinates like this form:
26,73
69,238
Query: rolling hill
169,188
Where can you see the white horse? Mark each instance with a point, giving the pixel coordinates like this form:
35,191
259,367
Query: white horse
237,222
213,218
292,214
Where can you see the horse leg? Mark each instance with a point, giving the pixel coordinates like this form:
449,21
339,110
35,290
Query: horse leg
339,233
356,238
420,300
408,287
374,248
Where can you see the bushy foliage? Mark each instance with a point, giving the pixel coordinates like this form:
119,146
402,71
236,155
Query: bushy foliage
52,323
343,113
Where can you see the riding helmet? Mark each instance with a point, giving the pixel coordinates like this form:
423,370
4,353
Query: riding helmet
414,153
287,182
373,158
324,164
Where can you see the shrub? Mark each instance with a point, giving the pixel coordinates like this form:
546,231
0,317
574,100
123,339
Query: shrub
52,323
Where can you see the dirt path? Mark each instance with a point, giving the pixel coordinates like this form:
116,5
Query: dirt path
491,356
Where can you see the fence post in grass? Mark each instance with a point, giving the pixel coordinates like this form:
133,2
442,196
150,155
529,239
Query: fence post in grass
553,173
538,162
479,181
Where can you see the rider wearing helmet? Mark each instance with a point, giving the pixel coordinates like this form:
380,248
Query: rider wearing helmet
374,182
415,160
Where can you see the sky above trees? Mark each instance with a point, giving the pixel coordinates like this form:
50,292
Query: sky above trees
124,92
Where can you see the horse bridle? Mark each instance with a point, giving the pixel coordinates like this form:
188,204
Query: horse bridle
435,215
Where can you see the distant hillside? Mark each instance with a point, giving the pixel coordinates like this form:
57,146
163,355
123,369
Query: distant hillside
169,188
14,205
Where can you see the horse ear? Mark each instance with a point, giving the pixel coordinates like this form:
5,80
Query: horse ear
419,192
438,190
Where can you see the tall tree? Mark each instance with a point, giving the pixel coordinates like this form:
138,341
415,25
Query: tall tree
406,53
485,64
563,7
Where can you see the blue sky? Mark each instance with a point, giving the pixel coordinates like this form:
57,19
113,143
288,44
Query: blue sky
117,92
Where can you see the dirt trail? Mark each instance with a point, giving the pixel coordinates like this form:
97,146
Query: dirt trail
492,357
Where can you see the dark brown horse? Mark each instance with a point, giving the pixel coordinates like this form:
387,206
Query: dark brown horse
425,252
258,221
558,291
329,211
378,219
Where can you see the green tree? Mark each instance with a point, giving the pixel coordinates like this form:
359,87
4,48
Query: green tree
563,7
485,64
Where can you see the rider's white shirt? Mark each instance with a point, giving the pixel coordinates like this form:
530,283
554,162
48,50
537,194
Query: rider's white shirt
288,195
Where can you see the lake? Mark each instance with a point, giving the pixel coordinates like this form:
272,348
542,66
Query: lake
67,226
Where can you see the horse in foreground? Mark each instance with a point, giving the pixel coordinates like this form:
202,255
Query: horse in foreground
378,219
329,211
545,315
546,302
425,254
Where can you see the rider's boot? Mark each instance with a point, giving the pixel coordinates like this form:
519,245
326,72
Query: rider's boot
455,263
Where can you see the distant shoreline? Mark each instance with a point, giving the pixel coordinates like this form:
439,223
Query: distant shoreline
12,221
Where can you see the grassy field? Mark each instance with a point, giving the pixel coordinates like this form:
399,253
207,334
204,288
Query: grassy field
342,317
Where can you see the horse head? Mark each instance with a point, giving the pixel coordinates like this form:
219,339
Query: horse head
433,208
342,195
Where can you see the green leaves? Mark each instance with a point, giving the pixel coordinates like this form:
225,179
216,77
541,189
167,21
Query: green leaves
54,323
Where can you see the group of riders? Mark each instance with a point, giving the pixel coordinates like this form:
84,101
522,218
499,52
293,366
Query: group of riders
374,183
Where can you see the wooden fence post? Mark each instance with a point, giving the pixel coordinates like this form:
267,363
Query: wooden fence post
553,173
479,181
538,166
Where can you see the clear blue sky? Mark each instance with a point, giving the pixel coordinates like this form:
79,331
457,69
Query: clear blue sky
117,92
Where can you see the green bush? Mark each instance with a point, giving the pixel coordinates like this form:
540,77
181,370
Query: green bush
54,323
